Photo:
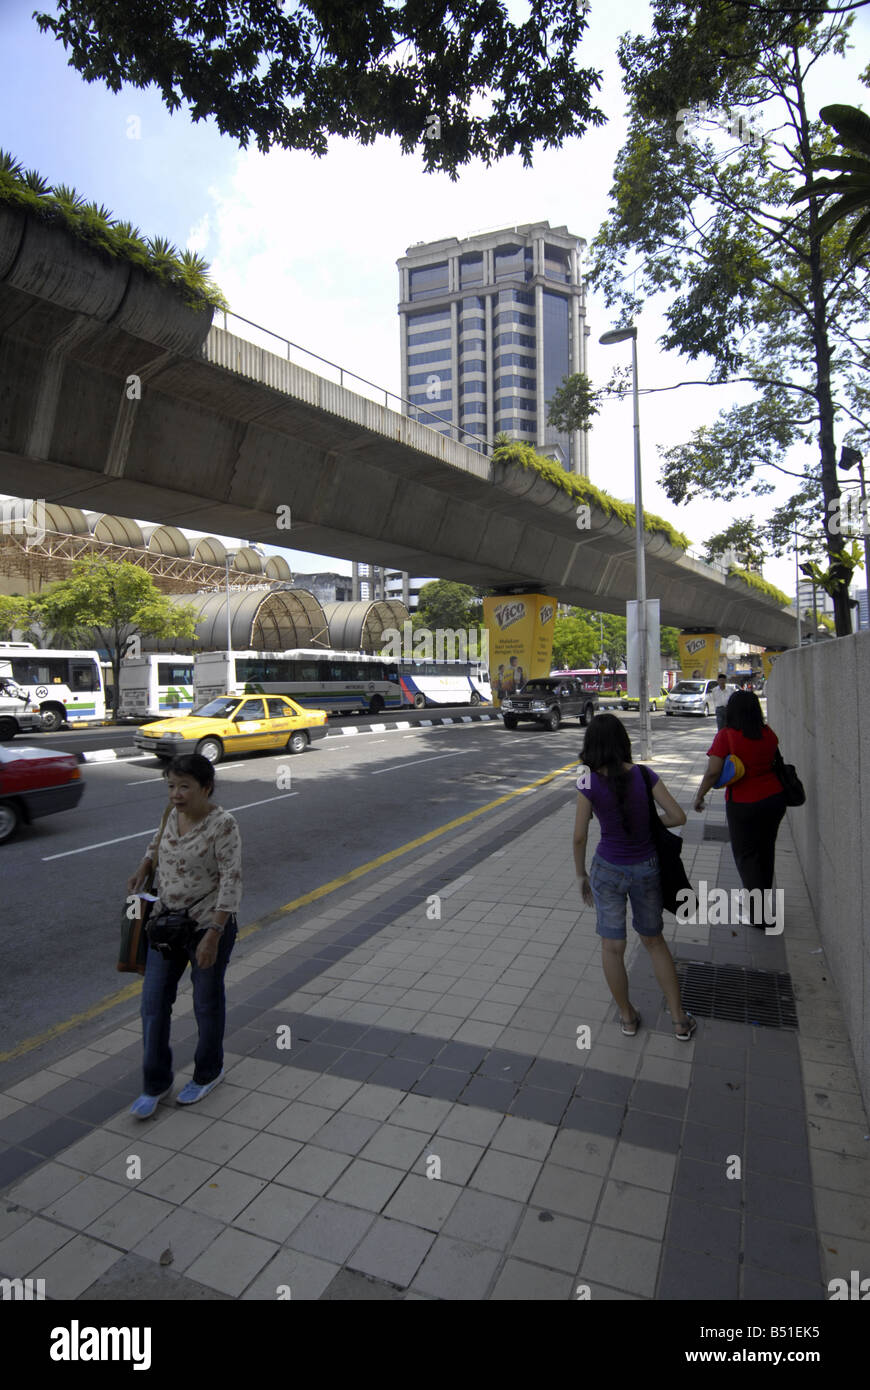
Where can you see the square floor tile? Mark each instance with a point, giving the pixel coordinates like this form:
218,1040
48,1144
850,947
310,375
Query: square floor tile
423,1202
274,1213
232,1261
367,1185
331,1231
506,1175
456,1270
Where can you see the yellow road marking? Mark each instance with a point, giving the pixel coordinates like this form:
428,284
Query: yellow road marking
135,987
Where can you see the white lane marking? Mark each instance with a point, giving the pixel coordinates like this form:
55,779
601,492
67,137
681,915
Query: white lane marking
140,834
378,728
416,762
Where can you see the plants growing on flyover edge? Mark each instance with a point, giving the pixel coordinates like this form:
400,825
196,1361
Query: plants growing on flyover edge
92,223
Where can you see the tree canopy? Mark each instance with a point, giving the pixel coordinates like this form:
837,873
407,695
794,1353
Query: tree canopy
758,288
455,78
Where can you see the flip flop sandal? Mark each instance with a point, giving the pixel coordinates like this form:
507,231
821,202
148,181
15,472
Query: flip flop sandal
630,1029
690,1029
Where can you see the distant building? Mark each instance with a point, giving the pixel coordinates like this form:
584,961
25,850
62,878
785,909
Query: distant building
326,587
489,327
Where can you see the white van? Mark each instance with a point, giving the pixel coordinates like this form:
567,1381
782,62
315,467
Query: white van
17,714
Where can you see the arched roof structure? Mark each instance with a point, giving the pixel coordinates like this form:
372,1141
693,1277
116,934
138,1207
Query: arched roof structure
360,624
260,620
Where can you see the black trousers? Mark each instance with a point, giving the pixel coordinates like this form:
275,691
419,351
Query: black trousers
753,827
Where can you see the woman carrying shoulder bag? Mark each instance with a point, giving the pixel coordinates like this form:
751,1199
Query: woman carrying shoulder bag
754,805
200,886
625,865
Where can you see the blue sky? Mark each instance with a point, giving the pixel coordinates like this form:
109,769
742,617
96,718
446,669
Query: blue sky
308,247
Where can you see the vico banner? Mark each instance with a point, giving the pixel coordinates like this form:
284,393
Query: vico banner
520,628
699,655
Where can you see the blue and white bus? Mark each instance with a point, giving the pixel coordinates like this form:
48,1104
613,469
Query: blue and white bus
314,677
155,686
67,686
444,683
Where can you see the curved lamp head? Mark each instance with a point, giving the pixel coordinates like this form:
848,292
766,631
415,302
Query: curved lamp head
618,335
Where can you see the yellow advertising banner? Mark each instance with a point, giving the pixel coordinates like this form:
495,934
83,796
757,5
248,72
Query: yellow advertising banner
699,655
520,628
767,660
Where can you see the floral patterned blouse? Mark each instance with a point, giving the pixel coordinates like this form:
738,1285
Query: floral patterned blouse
207,860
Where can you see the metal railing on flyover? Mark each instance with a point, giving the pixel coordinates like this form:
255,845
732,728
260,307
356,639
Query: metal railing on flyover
413,411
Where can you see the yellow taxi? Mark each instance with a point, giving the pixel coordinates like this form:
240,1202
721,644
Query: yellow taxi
235,724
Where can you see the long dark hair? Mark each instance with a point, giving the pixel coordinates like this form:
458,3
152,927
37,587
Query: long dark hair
743,712
605,748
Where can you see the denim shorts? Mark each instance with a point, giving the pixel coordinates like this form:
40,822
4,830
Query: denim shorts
612,884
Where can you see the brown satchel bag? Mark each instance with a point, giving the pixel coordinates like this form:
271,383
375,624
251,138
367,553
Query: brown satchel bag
133,952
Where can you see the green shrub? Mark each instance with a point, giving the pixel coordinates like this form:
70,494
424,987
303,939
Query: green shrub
754,581
581,490
93,224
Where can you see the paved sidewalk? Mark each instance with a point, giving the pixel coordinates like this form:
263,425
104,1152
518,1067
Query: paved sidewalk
436,1128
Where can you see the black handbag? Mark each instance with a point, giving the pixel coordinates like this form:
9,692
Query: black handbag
173,929
791,783
669,848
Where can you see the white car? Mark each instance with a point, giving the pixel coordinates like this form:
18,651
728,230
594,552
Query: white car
691,697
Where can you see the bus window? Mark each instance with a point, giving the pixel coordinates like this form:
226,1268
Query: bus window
83,676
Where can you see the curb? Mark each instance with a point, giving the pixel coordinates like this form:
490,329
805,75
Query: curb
109,755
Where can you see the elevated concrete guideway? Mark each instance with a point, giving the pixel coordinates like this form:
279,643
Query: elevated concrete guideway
226,433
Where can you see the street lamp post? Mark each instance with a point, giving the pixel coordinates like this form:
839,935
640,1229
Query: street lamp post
619,335
230,555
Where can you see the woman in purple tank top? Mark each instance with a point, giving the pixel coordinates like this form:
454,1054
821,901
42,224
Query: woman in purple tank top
625,864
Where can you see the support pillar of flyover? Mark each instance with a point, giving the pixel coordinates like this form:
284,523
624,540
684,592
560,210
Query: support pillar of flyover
520,629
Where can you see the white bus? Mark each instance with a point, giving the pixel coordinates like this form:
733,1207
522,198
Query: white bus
444,683
313,677
155,686
66,685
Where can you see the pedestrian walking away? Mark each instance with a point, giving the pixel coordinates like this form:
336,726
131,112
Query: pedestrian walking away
199,872
625,865
754,805
721,695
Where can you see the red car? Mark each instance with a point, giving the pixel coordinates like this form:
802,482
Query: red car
36,782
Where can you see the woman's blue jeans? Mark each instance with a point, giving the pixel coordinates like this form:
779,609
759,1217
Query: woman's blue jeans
160,987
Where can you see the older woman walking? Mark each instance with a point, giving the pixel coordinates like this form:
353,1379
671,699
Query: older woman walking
200,871
625,865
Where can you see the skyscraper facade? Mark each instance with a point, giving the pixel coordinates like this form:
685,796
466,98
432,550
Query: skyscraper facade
489,327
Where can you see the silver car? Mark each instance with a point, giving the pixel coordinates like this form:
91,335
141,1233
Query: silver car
691,697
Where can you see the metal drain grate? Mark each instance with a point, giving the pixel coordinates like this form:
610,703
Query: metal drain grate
712,831
763,998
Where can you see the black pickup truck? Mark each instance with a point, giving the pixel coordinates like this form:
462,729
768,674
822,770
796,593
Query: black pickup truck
549,700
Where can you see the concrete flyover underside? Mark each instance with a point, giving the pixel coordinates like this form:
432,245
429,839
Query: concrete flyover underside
224,435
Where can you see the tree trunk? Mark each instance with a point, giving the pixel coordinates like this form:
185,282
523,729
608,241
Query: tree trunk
822,353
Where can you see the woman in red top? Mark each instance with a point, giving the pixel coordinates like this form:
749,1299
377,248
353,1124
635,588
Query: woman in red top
755,804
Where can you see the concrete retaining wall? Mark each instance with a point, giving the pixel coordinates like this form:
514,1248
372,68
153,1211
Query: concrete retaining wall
818,704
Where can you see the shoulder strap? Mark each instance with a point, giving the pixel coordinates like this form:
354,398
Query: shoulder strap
644,772
163,821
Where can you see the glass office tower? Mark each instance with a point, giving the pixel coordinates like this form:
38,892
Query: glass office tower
489,327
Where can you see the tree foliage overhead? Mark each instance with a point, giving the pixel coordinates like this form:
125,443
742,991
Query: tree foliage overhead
455,77
755,286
